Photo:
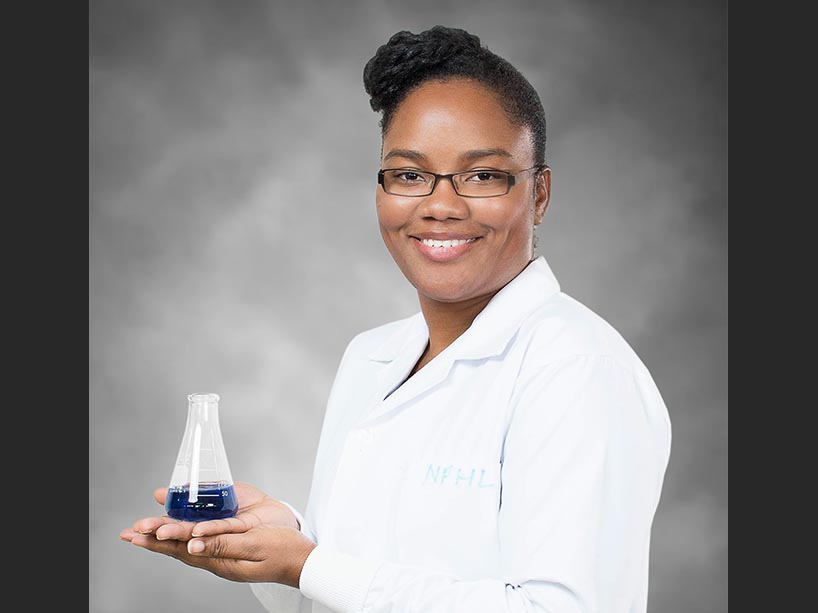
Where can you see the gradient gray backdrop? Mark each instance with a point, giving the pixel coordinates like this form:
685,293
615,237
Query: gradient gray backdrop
225,258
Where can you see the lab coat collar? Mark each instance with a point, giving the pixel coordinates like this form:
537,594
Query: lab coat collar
492,329
489,335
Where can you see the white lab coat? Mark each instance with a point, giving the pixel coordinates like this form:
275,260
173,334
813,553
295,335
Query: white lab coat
519,470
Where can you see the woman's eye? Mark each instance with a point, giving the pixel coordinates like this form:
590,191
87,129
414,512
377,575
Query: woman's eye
485,176
409,177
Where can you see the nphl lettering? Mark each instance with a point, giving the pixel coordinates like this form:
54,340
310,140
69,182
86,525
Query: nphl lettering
455,476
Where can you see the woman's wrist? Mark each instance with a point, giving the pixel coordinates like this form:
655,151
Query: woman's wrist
297,566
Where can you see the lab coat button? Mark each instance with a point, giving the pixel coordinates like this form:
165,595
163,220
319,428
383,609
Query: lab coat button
366,435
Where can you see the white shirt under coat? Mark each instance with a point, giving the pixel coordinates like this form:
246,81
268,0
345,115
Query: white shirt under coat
519,470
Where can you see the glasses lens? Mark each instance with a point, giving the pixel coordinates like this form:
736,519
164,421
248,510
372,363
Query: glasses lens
408,182
482,183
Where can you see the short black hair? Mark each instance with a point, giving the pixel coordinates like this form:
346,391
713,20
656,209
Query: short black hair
408,60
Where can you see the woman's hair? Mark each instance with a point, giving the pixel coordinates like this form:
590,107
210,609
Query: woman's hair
408,60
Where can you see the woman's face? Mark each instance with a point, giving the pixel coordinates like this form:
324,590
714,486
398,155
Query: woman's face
447,127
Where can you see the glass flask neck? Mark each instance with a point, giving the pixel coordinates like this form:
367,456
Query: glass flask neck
203,407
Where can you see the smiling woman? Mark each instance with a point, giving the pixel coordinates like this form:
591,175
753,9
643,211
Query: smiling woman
504,448
458,125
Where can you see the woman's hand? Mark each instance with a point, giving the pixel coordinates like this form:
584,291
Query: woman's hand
255,508
261,543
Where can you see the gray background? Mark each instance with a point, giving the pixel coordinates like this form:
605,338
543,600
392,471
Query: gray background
224,258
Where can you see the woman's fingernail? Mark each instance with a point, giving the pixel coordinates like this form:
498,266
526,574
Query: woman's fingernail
195,546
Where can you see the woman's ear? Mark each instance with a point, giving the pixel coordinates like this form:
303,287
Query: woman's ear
542,194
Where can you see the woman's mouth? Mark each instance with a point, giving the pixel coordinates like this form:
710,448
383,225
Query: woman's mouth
444,250
447,243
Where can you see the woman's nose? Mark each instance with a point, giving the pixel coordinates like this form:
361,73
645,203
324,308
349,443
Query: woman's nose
444,202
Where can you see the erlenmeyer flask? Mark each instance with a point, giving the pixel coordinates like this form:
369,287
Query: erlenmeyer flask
201,487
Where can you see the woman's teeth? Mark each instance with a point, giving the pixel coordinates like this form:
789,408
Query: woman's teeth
450,243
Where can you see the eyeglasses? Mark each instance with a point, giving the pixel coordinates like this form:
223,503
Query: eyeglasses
480,183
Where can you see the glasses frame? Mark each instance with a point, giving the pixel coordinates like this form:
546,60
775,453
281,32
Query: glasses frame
511,180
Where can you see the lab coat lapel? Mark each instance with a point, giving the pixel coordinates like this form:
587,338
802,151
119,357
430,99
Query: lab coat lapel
422,381
489,335
394,390
399,353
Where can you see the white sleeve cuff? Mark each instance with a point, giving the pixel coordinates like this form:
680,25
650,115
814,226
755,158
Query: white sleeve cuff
337,580
279,598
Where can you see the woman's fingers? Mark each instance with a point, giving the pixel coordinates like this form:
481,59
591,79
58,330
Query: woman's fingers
160,494
169,547
224,526
176,530
147,525
163,527
128,534
230,546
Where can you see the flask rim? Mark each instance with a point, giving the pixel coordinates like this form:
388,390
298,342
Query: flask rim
203,397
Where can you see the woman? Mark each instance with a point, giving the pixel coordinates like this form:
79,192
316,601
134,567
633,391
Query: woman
501,450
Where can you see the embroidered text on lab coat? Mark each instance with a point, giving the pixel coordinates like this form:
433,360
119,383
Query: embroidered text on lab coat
455,476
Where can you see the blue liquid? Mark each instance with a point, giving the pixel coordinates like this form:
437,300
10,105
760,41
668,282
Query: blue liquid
214,501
